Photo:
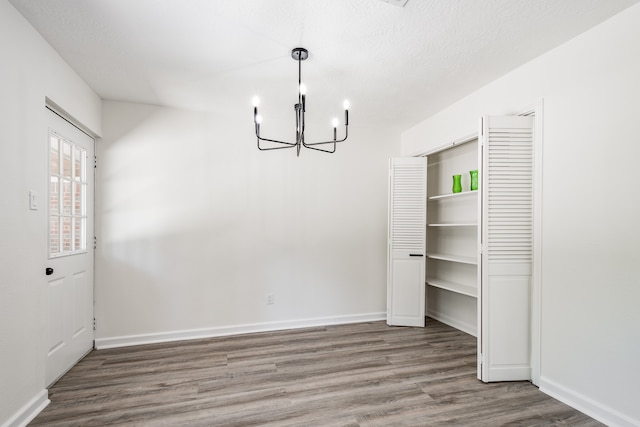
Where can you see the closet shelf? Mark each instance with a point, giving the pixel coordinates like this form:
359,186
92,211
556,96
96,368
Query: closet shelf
458,288
453,258
461,195
465,224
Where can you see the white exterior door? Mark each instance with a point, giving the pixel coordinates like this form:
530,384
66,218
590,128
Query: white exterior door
407,241
507,248
70,247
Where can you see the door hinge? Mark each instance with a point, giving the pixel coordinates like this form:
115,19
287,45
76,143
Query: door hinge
94,323
95,242
481,358
95,162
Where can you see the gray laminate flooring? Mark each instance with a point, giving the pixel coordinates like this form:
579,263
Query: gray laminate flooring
365,374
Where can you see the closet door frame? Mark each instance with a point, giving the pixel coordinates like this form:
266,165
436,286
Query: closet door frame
537,112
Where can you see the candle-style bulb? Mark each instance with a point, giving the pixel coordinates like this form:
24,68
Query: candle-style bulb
258,119
346,104
256,101
334,122
303,89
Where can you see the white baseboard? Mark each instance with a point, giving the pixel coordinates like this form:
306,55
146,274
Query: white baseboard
453,322
125,341
586,405
29,411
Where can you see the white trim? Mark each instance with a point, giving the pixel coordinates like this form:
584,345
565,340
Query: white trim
588,406
469,328
536,282
29,411
459,141
64,115
125,341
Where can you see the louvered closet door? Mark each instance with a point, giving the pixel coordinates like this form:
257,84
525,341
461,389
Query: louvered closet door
507,248
407,246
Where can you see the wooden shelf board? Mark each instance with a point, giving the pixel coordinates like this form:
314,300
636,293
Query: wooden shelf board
453,258
469,224
454,195
459,288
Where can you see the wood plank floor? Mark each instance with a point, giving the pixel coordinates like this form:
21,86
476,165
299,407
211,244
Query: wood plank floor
365,374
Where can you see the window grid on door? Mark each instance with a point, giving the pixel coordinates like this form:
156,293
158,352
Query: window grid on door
67,197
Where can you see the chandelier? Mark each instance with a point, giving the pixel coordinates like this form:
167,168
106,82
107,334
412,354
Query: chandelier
300,54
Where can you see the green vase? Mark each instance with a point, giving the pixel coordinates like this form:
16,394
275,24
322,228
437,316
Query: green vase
474,179
457,185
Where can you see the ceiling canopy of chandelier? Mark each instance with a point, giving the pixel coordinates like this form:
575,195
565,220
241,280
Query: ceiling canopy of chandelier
300,54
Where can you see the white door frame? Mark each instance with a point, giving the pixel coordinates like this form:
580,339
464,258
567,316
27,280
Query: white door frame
87,343
537,111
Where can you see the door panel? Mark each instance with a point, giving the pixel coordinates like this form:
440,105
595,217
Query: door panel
407,304
508,311
407,242
55,326
70,247
507,248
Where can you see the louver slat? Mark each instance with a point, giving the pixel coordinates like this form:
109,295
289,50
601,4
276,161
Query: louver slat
510,195
408,207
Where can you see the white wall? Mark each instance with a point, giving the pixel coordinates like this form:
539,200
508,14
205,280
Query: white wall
590,256
31,70
195,226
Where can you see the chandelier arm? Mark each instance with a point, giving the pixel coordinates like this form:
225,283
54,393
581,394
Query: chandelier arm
311,144
333,150
346,135
275,148
289,144
272,148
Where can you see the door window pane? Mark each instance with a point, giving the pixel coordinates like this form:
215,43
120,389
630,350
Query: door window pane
66,234
54,235
67,197
54,194
66,158
54,157
77,163
77,198
78,233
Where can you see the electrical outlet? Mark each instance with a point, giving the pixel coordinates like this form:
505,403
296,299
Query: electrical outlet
270,299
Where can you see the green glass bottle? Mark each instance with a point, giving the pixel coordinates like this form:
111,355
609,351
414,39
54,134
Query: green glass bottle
474,179
457,185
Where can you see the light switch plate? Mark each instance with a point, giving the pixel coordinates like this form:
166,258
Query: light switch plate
33,200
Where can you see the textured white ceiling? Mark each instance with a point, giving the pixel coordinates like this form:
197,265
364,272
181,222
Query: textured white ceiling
397,65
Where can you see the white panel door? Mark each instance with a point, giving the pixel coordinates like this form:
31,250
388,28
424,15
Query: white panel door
70,247
506,248
407,241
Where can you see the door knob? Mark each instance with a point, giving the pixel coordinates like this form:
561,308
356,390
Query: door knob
49,271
